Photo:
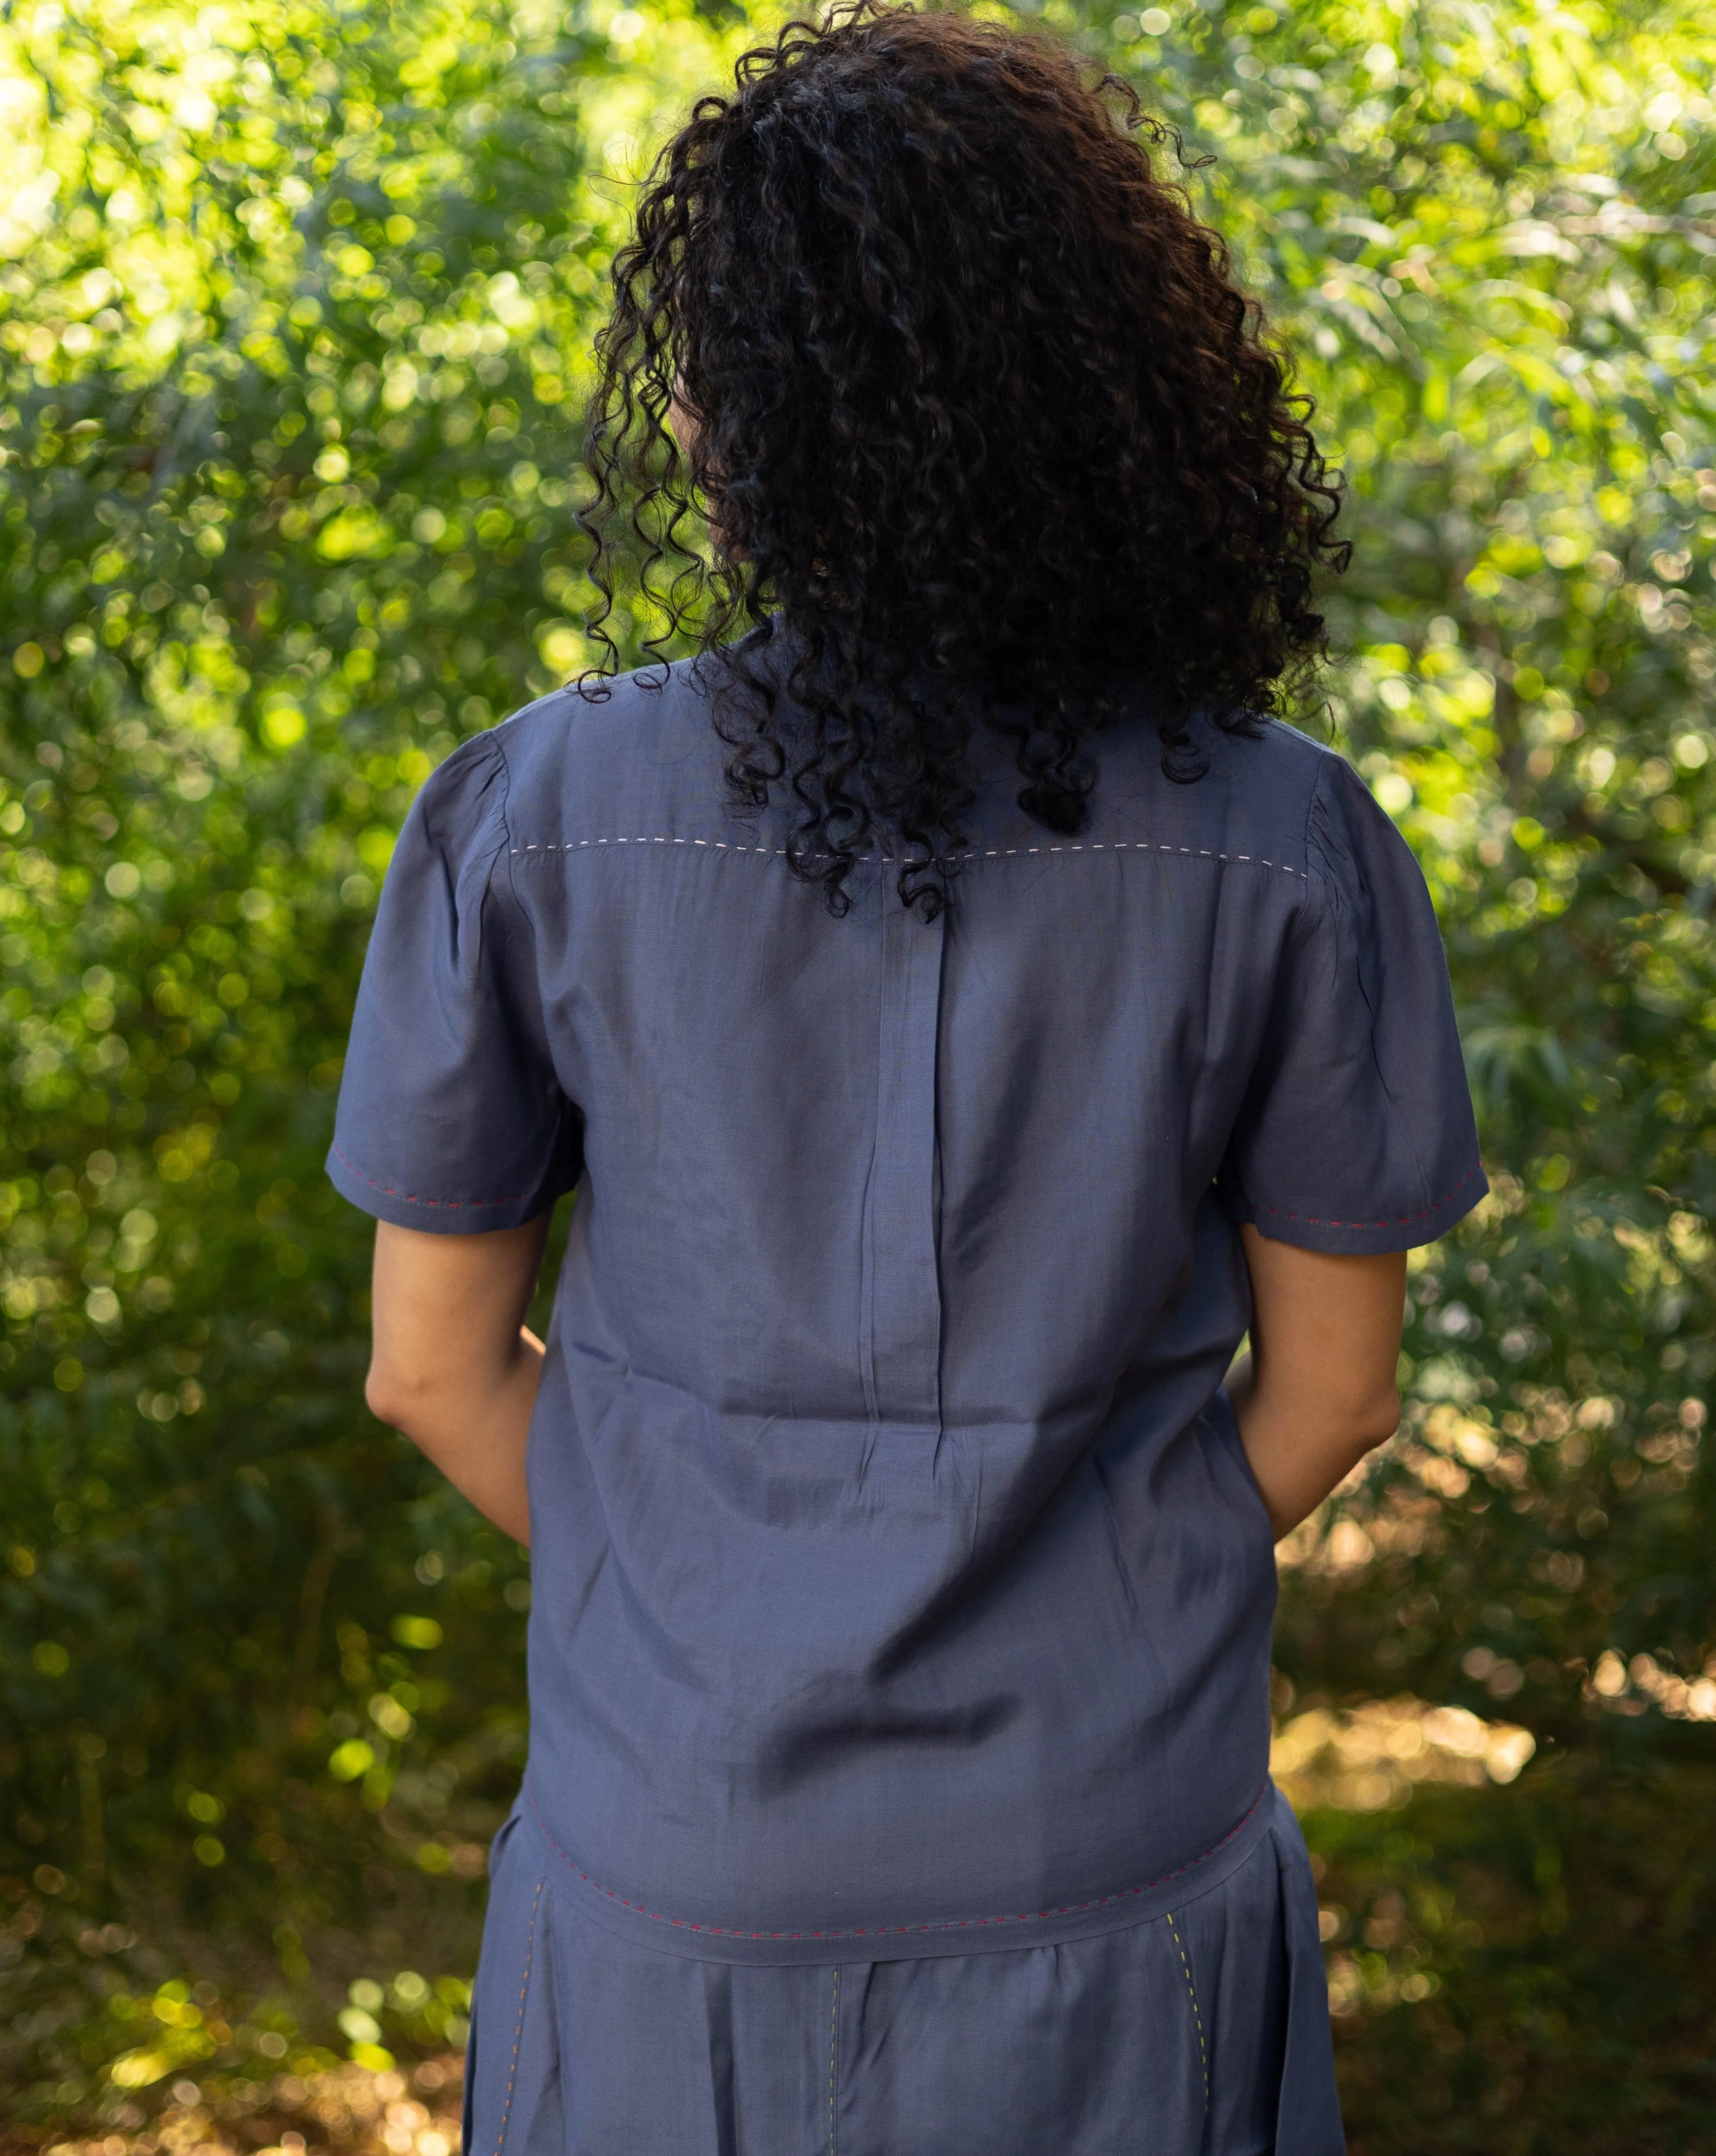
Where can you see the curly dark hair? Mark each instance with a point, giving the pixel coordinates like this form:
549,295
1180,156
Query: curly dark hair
919,367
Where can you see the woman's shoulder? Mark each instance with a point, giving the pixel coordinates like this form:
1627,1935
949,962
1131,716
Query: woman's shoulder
1247,795
1283,767
595,757
1309,790
610,716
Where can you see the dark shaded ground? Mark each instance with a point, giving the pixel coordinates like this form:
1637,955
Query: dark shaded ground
1555,1941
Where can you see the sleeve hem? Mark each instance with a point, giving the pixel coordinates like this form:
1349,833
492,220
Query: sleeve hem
1362,1237
434,1216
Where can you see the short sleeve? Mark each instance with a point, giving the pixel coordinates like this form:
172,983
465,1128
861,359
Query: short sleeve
1356,1134
451,1117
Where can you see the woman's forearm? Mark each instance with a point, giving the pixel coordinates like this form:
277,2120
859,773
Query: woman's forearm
452,1365
475,1432
1300,1450
1317,1391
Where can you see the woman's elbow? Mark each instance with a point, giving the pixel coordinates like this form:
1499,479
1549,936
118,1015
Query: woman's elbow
392,1398
1375,1419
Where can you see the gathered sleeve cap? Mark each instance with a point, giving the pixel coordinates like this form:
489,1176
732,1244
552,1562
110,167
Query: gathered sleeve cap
1356,1134
451,1117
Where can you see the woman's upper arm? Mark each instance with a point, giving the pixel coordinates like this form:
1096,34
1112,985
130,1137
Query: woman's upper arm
448,1306
1326,1326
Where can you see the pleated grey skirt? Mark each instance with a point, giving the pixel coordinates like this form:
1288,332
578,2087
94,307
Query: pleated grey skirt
1203,2031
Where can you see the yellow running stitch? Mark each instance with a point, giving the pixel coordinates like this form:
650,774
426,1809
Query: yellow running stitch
833,2058
1197,2017
518,2034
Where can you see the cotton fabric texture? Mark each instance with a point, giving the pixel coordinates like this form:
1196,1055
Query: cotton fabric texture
901,1591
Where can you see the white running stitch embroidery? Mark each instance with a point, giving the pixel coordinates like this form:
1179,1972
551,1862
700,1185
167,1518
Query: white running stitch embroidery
886,861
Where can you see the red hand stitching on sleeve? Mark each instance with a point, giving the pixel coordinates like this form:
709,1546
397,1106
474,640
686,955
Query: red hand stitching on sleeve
445,1204
1405,1220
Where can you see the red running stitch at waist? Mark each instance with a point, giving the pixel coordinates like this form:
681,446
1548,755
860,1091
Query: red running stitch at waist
898,1931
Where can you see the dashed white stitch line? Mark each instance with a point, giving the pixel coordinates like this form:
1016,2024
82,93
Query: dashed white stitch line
888,861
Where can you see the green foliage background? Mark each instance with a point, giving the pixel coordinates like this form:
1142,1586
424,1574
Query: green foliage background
295,302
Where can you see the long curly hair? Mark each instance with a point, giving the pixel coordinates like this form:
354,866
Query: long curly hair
919,370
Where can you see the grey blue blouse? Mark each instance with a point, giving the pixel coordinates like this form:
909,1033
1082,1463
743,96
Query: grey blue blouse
901,1590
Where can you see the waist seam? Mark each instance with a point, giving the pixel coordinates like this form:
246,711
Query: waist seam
936,1927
